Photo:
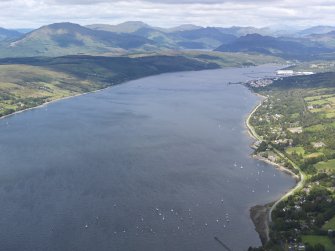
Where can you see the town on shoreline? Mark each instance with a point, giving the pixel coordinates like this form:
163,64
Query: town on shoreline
291,127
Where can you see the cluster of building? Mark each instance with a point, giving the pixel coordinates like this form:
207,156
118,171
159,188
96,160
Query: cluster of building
283,73
260,83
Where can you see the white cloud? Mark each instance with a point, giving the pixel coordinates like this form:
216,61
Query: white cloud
34,13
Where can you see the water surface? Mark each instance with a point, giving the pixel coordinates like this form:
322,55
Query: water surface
160,163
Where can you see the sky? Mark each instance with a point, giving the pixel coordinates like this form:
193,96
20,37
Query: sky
168,13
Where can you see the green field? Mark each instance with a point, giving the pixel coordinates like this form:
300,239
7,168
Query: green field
326,165
313,155
330,115
315,239
313,98
330,224
315,128
322,104
318,102
298,150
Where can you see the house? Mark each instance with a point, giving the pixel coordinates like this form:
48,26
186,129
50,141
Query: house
318,144
272,158
295,129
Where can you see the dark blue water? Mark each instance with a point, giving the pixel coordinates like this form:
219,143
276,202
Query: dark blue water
153,164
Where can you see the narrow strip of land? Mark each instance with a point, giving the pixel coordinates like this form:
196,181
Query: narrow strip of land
299,185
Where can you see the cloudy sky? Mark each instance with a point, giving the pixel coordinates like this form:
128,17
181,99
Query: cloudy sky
167,13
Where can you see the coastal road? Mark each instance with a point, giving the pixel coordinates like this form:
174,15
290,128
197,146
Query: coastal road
299,185
302,175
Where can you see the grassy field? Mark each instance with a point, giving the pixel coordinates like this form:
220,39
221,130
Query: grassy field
330,224
314,98
315,239
313,155
326,165
324,105
298,150
315,128
330,115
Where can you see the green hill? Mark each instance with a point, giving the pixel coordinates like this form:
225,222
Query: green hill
280,47
68,38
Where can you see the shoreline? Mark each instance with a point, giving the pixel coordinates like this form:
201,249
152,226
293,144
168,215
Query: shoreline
52,101
98,90
253,134
261,215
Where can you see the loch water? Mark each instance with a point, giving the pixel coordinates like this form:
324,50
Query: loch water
160,163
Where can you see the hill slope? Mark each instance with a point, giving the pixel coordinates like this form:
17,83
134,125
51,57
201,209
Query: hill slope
126,27
67,38
267,45
203,38
181,37
8,34
326,40
316,30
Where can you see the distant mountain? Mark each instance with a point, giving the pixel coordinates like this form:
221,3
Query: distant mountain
126,27
184,27
68,38
180,37
164,37
136,37
239,31
316,30
326,40
255,43
161,38
209,32
203,38
24,30
8,34
134,26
